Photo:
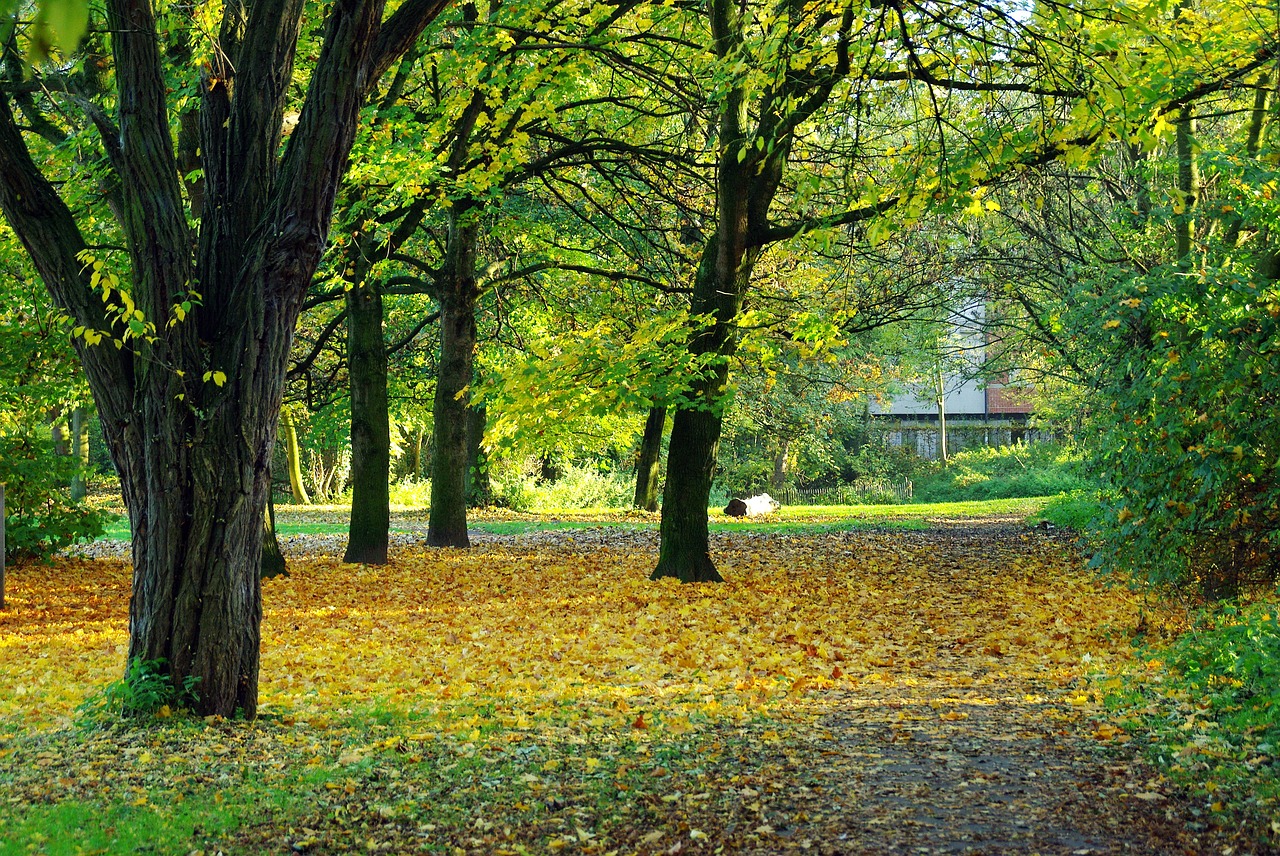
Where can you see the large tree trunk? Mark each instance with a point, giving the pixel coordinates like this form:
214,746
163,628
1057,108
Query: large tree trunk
685,551
370,428
650,459
189,408
447,525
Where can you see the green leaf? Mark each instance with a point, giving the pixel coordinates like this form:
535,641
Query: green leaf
68,20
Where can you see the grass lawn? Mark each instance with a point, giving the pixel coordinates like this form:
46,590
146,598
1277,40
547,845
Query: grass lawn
813,519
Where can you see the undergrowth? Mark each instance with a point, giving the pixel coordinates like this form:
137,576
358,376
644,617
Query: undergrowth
1208,707
146,690
1006,472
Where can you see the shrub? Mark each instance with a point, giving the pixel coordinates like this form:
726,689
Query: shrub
147,689
411,493
579,486
1210,708
584,487
40,517
1007,472
1189,436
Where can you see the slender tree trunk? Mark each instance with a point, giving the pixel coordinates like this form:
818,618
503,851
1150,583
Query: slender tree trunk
293,456
2,545
779,479
479,494
273,564
447,524
58,433
940,383
80,448
648,465
1188,182
370,428
415,453
1258,118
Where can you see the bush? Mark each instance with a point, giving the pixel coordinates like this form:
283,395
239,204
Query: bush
411,493
40,517
1007,472
585,487
147,689
1189,436
1210,708
580,486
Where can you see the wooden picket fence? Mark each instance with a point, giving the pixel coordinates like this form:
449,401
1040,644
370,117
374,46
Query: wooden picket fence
860,492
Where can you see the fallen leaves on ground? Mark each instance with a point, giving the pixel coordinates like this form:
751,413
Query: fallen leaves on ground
838,688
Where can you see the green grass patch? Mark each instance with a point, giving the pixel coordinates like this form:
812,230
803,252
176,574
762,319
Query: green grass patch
791,519
1079,510
379,780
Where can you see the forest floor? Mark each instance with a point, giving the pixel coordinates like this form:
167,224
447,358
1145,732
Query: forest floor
897,691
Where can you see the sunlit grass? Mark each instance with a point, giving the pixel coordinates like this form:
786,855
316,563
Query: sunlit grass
332,519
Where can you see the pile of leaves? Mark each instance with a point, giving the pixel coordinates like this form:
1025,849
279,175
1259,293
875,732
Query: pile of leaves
507,699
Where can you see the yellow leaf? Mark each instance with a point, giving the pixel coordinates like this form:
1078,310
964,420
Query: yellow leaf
1110,325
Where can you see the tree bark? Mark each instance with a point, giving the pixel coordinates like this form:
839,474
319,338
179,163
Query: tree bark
648,465
941,398
1188,182
370,428
447,524
684,550
747,180
58,433
415,453
779,479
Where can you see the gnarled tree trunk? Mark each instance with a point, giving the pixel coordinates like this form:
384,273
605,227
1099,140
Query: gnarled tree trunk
189,408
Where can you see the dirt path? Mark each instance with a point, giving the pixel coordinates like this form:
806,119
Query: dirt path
1008,767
